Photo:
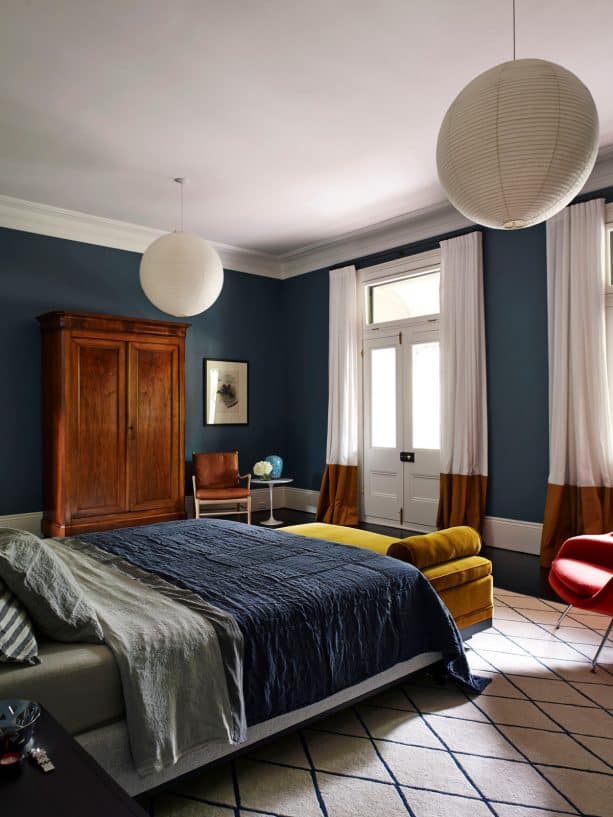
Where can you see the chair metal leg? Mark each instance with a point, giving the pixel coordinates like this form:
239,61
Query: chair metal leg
563,616
602,643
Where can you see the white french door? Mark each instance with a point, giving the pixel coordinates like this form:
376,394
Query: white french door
383,427
401,440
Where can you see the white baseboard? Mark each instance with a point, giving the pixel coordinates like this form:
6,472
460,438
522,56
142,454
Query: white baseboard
300,499
31,522
512,534
506,534
260,500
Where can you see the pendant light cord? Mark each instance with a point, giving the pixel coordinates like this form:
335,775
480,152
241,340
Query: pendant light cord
514,31
181,186
181,181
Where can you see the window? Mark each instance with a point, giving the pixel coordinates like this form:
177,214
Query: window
426,395
410,297
383,398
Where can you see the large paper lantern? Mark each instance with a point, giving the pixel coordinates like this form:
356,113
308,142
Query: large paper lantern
181,274
517,144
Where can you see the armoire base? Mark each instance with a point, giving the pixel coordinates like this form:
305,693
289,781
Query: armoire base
74,528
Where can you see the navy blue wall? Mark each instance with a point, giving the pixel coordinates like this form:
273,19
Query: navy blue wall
515,282
40,274
305,304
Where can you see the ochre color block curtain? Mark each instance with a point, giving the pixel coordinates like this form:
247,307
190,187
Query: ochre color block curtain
579,493
338,496
463,384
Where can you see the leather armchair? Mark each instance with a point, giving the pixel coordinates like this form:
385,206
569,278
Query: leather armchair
217,484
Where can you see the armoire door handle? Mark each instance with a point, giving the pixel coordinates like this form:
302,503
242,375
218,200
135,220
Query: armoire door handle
407,456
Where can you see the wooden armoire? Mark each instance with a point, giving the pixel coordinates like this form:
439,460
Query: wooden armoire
113,422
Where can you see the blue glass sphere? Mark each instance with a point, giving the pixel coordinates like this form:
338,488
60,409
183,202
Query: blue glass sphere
277,465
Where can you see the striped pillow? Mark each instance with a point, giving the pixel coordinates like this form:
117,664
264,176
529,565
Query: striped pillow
17,641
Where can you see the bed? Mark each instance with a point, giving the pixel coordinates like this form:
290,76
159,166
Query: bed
286,628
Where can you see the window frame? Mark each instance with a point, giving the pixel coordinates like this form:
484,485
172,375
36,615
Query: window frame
408,267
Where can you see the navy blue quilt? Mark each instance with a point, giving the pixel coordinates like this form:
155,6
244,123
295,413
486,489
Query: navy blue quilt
316,616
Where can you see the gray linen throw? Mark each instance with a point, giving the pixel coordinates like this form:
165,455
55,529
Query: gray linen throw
175,686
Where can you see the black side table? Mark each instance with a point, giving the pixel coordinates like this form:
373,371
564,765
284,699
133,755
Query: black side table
77,787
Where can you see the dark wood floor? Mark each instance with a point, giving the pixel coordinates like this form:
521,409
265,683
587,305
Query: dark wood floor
520,572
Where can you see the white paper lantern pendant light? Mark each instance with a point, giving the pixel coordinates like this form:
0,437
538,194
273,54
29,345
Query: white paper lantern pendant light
180,272
518,143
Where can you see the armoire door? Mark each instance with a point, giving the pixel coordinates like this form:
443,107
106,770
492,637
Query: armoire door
154,426
97,427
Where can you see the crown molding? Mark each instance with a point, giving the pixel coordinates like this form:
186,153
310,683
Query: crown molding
426,223
602,174
406,229
44,219
438,219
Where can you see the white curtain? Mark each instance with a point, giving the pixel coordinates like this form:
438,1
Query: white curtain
463,374
580,440
342,448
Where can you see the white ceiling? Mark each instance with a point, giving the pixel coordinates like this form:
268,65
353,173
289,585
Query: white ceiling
296,121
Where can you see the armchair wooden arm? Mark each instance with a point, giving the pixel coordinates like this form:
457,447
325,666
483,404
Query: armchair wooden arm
248,478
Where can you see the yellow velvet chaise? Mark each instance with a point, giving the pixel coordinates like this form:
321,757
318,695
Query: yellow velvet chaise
449,559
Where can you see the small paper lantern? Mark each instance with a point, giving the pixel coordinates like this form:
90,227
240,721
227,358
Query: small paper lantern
181,274
517,144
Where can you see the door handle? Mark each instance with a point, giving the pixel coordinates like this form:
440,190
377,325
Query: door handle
407,456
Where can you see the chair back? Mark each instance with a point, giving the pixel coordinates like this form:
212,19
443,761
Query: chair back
216,470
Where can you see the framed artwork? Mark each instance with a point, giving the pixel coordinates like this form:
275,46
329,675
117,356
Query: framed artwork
226,392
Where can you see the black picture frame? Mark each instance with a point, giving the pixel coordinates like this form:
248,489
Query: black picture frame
215,408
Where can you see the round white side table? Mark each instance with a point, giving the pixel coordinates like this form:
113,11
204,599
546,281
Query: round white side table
271,521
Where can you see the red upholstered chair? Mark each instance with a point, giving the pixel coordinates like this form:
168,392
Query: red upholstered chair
582,575
216,484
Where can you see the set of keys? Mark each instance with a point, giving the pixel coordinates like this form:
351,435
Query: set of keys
42,758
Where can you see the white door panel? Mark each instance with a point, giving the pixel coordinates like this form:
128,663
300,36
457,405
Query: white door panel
422,424
383,379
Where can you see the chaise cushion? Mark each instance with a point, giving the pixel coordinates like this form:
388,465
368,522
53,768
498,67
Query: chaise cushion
436,548
458,572
344,536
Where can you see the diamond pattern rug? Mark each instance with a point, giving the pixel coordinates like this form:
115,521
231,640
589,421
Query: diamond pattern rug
537,743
